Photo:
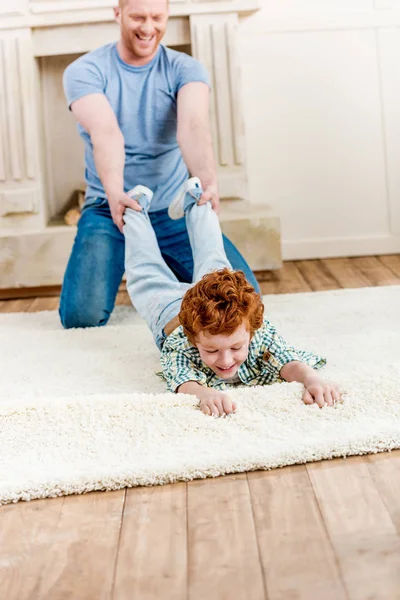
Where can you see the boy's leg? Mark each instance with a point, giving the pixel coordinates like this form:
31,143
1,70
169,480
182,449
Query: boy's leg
205,239
203,228
173,239
94,271
154,290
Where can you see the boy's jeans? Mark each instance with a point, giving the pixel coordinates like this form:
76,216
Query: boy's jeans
96,264
153,288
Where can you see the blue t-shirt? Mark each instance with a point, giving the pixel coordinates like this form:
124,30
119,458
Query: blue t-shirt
144,100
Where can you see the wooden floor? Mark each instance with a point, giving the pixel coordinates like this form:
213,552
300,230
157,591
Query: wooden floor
323,531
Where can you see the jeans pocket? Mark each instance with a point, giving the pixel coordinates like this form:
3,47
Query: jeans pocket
94,201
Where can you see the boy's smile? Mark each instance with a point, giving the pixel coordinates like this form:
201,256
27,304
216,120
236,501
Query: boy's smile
224,353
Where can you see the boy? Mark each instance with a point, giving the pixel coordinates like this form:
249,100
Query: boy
212,335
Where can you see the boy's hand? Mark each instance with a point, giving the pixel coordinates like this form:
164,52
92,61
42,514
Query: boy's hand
216,403
322,393
212,402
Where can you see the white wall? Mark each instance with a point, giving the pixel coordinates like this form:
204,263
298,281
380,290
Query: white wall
321,87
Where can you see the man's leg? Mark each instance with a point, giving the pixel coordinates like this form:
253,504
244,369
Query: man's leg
154,290
174,243
239,263
94,270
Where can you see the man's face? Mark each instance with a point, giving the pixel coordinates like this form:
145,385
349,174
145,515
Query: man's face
224,353
143,24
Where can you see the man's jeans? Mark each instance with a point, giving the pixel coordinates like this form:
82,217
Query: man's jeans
96,265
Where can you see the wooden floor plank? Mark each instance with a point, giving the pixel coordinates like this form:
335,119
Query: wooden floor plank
123,299
152,558
317,275
45,303
224,560
297,557
81,551
362,533
26,529
12,306
375,271
29,292
385,471
346,272
392,262
287,280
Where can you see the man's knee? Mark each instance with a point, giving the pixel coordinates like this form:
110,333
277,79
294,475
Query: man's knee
90,316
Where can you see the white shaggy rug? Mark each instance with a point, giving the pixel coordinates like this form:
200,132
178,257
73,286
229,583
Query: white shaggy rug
83,410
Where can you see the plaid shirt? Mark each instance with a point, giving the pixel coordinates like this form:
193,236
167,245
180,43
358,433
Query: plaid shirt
268,353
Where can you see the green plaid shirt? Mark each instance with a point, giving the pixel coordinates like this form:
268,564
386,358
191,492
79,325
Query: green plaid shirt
268,353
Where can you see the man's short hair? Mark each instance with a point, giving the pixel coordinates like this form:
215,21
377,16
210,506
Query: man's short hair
121,3
219,303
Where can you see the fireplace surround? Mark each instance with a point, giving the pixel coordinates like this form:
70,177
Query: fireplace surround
41,154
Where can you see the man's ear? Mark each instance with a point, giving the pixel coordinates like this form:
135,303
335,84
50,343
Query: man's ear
117,14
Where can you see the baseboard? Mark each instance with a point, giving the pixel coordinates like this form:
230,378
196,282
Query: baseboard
340,247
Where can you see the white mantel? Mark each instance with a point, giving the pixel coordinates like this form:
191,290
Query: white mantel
33,32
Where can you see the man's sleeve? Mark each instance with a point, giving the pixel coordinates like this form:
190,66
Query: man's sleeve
277,353
81,78
178,369
189,70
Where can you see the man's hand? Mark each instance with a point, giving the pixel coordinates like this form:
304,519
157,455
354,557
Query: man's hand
216,403
322,393
119,202
210,194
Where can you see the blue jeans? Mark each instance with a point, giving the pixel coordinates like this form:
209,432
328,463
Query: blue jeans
96,265
155,291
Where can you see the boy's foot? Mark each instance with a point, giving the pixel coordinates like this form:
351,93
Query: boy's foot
141,194
176,209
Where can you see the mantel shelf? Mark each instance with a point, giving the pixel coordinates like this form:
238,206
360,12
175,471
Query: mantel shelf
40,14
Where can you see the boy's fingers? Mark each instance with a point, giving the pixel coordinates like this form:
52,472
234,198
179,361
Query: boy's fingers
336,395
217,409
307,398
319,399
206,410
227,405
328,398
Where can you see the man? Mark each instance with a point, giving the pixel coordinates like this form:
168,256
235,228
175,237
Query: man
143,113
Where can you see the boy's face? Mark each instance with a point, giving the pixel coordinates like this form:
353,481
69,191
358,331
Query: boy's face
224,353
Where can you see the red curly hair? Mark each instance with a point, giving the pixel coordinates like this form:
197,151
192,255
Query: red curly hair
219,303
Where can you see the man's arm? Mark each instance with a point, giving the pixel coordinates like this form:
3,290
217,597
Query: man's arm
316,390
96,116
195,140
